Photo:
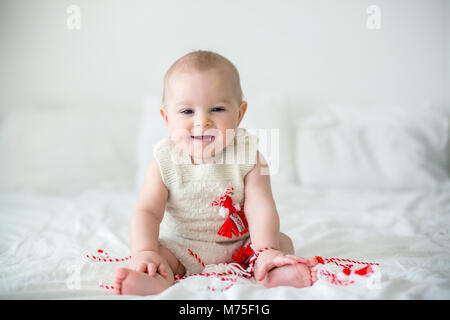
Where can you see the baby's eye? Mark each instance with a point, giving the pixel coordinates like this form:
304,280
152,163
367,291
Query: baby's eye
217,109
186,111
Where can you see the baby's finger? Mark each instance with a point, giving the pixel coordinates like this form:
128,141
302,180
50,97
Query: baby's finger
297,258
284,260
151,268
142,267
264,271
162,270
261,275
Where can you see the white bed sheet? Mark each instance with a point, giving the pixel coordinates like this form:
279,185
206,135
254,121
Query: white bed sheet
44,239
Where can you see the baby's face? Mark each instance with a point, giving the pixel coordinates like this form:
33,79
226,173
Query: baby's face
202,111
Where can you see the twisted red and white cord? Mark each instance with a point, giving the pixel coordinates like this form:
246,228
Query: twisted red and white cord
221,200
103,256
225,275
337,271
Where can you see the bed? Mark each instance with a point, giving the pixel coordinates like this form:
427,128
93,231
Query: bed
44,241
340,206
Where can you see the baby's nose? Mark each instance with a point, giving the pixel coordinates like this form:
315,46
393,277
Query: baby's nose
202,120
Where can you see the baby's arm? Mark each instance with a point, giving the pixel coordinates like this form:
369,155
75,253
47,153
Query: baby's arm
264,223
146,217
259,207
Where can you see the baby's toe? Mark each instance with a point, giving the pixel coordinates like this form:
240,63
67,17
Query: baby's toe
313,276
121,275
117,289
312,262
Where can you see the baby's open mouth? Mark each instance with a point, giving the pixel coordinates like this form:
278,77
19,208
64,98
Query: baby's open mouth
203,138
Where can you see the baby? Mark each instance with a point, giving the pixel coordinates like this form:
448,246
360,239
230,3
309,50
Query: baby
202,108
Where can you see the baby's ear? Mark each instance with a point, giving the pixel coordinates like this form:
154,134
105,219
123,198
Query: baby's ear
163,113
242,110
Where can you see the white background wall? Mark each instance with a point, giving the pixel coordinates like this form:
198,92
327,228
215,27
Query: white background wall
447,53
317,51
314,52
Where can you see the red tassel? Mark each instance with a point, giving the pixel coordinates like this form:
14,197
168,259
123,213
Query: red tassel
242,255
236,224
364,271
347,271
227,229
241,215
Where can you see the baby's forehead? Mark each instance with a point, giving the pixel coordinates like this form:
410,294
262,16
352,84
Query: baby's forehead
220,71
186,79
214,83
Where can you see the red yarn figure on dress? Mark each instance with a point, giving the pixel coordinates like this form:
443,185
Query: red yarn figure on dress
236,223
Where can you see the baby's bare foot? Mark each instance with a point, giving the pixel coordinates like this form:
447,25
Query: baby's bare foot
296,275
131,282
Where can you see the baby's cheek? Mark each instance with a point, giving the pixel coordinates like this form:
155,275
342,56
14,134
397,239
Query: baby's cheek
180,136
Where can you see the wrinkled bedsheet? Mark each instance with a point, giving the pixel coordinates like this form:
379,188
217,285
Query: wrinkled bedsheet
44,240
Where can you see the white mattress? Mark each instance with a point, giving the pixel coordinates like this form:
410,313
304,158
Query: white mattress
44,240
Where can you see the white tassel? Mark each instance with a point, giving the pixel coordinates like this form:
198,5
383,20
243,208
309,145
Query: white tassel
223,212
333,274
229,268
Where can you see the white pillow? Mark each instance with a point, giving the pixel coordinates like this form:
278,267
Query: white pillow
385,146
264,113
62,150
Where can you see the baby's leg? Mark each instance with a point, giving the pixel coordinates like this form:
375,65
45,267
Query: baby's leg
297,275
132,282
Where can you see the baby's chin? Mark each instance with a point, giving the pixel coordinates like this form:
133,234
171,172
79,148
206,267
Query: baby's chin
207,154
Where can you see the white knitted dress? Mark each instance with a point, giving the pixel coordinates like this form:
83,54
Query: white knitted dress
190,224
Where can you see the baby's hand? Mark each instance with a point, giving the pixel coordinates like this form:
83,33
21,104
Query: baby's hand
149,262
269,259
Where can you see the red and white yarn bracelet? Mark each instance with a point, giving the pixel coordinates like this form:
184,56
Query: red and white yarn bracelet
252,261
262,250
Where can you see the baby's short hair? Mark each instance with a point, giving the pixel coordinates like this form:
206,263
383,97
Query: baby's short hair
202,60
